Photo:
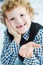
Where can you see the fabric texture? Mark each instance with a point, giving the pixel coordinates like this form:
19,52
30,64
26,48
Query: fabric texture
11,49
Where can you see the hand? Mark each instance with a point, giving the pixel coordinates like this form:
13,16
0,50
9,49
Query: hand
13,32
26,50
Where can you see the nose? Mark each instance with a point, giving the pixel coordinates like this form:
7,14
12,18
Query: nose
19,20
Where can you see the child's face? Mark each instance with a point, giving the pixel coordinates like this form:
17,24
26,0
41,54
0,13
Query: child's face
19,19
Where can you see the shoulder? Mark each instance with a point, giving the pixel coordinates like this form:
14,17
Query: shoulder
37,25
39,36
40,32
8,38
38,29
5,33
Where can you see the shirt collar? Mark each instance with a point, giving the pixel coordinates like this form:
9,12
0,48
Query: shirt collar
26,35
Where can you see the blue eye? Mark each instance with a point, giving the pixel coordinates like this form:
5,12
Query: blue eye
22,15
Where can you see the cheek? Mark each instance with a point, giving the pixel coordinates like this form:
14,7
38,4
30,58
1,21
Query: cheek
27,19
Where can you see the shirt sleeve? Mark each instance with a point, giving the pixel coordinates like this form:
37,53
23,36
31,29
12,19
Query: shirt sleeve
37,58
9,52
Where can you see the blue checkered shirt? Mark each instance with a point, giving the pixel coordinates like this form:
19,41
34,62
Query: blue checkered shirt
10,50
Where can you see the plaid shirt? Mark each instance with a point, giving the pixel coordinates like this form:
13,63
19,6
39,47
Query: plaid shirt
10,50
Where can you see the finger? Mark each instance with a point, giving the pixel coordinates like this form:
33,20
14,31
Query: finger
20,52
8,25
36,45
29,55
23,53
30,50
10,28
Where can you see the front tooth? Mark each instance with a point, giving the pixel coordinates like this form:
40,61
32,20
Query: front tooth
20,25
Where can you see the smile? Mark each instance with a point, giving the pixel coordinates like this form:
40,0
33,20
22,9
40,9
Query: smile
20,26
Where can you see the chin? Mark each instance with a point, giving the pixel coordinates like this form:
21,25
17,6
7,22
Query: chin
22,31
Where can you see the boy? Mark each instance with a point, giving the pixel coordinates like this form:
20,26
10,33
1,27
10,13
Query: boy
22,37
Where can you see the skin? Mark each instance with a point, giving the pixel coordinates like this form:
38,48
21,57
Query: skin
18,21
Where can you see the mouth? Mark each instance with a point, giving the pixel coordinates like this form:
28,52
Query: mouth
20,26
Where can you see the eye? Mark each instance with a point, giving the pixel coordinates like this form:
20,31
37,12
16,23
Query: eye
12,18
22,15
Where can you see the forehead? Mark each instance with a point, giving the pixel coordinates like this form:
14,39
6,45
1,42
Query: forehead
16,11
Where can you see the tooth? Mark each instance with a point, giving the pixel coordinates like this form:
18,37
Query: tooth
20,25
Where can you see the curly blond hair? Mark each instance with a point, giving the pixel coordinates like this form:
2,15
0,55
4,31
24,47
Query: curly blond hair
10,4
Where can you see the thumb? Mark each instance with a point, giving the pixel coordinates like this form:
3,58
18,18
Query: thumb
36,45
